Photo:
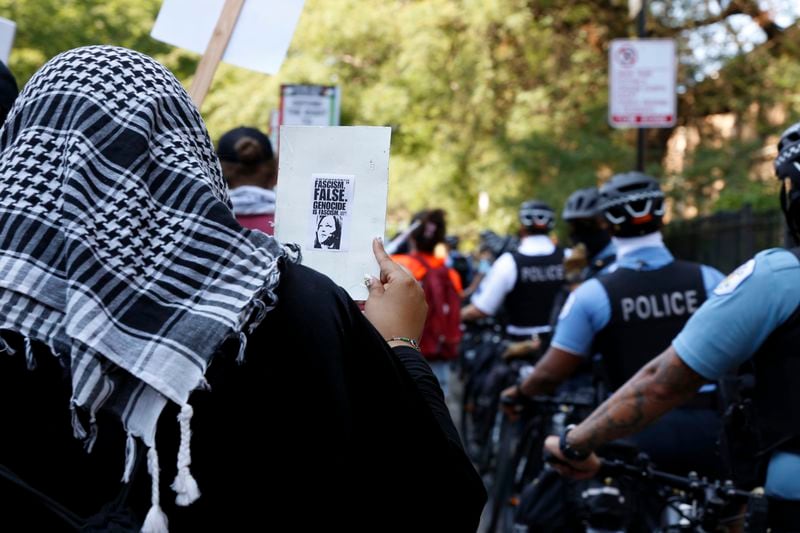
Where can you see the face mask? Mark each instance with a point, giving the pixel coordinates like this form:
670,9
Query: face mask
595,239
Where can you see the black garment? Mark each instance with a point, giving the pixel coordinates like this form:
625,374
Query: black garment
648,309
777,385
784,516
539,279
323,420
757,420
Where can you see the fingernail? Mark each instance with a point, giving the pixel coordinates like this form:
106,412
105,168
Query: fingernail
367,280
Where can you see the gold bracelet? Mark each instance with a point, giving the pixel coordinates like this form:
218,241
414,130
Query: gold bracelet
407,340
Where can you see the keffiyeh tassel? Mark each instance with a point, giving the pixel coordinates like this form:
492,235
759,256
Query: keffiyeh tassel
130,458
155,521
78,431
185,485
242,347
260,313
4,347
30,361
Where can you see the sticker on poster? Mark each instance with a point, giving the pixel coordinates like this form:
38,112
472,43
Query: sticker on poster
331,212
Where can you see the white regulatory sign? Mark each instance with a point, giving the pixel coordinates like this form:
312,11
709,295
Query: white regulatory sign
641,90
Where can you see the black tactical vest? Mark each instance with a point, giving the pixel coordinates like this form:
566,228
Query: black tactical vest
539,278
777,390
648,309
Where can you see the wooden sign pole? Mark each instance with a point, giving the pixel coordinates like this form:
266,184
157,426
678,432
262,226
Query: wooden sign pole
214,51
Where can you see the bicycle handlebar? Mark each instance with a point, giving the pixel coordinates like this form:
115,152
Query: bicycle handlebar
571,400
691,483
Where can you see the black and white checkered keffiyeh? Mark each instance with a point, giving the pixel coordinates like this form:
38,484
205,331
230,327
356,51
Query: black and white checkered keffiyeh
118,248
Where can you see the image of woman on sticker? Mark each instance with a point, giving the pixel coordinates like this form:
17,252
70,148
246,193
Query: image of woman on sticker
329,233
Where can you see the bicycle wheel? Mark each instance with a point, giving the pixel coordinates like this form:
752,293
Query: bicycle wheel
501,512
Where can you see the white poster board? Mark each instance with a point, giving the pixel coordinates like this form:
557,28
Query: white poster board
260,38
309,105
332,189
642,75
7,31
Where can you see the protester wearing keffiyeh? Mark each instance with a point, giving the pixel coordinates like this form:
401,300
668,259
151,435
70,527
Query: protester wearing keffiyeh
118,248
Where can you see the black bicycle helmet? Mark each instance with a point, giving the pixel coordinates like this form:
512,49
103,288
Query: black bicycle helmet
787,168
582,203
633,204
537,215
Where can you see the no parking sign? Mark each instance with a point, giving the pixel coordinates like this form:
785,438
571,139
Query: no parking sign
641,89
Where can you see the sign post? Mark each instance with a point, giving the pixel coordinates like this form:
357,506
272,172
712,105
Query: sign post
251,34
214,51
642,84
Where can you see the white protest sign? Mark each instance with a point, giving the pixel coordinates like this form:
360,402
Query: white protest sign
332,189
309,105
7,30
260,37
641,91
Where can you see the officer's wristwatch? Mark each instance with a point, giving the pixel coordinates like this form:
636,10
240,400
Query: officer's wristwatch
567,451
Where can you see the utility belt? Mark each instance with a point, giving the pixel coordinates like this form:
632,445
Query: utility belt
526,332
521,334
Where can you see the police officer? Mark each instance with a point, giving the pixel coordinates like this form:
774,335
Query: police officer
630,315
754,316
587,229
592,251
525,281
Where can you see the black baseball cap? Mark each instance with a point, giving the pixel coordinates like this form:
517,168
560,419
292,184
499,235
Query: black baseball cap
226,148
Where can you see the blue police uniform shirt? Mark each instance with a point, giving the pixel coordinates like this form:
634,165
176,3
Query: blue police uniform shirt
610,250
730,327
588,309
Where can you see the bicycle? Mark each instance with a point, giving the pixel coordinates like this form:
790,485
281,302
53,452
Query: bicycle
518,454
690,504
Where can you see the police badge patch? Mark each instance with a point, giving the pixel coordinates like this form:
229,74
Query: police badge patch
735,278
567,306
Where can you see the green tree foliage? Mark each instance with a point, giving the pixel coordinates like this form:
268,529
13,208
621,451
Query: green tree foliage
48,27
508,97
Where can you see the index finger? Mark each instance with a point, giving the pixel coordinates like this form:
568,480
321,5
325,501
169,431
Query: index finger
385,262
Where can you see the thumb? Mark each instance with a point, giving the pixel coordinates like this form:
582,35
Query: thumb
375,287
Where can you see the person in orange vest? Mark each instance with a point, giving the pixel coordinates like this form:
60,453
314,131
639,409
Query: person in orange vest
442,286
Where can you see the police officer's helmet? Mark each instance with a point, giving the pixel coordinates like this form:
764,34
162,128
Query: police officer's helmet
537,215
787,168
583,203
633,204
452,241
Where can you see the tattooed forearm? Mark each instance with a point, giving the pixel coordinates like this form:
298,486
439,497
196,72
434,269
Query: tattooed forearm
662,384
